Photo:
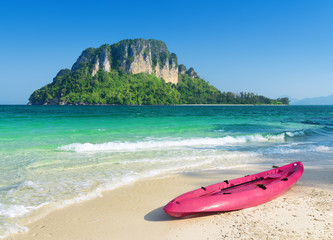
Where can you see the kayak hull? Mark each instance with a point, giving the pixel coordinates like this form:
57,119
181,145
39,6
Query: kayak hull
240,193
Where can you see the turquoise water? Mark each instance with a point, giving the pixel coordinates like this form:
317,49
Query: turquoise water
52,156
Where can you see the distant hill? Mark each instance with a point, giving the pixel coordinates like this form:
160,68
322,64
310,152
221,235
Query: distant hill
135,72
315,101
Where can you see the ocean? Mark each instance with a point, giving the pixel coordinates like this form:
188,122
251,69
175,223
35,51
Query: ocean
53,156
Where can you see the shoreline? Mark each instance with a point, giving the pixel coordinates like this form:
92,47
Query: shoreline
135,211
174,105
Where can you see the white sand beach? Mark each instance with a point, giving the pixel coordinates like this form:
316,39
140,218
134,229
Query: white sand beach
135,211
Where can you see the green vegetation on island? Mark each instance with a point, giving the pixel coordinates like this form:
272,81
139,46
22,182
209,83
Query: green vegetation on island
117,87
135,72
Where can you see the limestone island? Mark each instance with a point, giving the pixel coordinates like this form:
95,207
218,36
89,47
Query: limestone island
135,72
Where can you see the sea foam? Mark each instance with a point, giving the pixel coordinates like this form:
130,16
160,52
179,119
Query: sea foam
167,143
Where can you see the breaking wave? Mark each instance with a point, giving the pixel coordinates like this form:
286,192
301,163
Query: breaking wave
170,143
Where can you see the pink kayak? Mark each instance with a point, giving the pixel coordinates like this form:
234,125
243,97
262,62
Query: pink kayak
245,192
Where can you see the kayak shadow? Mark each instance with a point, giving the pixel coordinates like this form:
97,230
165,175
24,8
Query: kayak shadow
158,215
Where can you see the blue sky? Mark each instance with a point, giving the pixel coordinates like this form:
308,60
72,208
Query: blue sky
272,48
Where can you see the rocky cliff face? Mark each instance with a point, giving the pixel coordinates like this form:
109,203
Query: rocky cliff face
131,56
102,60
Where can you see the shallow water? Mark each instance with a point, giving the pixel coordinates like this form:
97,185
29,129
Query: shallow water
52,156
